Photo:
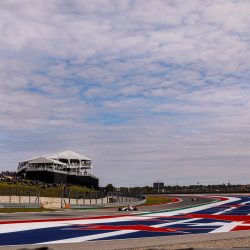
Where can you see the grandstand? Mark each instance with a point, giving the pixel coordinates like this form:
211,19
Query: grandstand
66,167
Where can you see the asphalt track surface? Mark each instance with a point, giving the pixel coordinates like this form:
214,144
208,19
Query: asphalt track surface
178,222
184,202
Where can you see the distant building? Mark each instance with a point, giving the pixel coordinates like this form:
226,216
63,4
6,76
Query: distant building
65,167
158,185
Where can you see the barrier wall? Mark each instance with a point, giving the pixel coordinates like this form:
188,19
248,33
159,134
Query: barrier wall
20,205
57,203
64,198
49,202
135,202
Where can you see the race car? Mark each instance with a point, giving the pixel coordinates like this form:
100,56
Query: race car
128,208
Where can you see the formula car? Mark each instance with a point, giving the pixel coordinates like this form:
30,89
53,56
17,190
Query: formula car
128,208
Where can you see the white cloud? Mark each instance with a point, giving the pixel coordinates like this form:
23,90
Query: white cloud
153,87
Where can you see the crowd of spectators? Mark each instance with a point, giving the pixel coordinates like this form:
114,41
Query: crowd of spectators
6,176
14,178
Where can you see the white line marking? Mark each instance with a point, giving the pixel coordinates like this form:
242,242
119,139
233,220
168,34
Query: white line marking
110,234
225,210
89,237
8,228
227,227
37,225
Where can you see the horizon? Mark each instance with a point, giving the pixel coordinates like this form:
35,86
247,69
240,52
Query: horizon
149,90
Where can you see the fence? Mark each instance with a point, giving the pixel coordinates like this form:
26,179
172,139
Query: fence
64,193
63,198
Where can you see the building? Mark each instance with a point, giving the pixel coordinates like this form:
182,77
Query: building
63,168
158,186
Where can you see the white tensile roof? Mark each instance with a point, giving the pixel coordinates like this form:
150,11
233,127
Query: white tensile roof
62,155
46,160
41,160
67,155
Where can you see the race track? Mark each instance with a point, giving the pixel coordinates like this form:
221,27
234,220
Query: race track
228,213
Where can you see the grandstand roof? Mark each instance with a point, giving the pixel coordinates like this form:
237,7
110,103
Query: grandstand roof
67,155
46,160
62,155
41,160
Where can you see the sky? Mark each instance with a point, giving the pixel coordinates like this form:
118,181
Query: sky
148,89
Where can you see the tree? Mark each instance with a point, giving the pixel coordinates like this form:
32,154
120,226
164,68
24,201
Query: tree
110,188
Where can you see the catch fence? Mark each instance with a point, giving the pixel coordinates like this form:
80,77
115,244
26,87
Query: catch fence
62,198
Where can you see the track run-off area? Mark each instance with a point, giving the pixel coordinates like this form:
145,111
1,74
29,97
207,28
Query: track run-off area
222,214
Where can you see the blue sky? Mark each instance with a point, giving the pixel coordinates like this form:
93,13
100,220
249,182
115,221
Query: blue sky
148,89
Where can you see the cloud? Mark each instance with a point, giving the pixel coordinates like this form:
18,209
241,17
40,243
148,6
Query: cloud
154,88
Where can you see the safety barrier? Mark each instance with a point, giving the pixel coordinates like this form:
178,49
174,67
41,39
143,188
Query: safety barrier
68,199
116,204
20,205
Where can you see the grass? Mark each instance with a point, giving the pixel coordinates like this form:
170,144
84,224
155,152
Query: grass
7,188
14,210
154,200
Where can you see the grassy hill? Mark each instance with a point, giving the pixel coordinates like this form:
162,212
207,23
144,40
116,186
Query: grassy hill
27,187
